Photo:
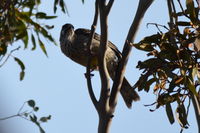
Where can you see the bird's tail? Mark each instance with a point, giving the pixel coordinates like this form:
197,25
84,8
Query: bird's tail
128,93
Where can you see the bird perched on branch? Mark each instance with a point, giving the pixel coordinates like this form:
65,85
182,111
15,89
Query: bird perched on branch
74,45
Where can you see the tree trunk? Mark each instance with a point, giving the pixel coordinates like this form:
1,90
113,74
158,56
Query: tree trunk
104,124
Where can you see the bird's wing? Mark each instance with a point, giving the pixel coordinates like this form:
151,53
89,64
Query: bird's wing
86,32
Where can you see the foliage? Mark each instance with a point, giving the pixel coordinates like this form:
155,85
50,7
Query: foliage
19,21
30,115
173,63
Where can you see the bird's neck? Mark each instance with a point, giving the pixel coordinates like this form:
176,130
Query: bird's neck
66,44
70,38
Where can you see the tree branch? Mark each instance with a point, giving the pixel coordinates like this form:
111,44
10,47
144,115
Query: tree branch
142,8
105,115
88,72
5,118
105,86
196,105
109,5
10,54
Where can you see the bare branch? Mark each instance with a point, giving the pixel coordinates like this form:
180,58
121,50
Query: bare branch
9,55
109,5
142,8
101,58
88,72
5,118
157,26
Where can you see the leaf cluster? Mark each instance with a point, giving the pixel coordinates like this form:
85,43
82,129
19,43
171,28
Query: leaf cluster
20,21
29,114
172,68
33,118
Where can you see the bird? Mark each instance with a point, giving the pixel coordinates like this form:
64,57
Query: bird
73,44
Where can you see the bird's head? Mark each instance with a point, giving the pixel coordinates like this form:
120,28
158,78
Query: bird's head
67,32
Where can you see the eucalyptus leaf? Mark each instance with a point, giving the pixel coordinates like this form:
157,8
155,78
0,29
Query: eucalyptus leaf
169,113
33,42
191,87
21,64
31,103
42,47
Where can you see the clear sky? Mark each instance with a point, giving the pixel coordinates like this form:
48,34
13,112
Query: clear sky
59,87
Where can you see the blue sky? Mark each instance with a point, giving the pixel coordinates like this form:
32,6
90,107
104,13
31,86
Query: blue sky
59,87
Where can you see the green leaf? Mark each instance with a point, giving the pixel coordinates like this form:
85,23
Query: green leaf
49,27
22,73
25,40
21,64
182,116
42,15
31,103
55,6
194,72
33,41
3,49
20,31
36,109
42,47
43,119
50,17
63,6
26,114
172,85
83,1
38,2
140,83
191,86
164,99
179,80
33,119
148,84
169,112
149,63
46,35
49,117
144,46
152,39
183,23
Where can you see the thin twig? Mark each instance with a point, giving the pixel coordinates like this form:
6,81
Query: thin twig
21,107
182,9
188,107
88,72
10,54
12,116
1,58
174,10
158,25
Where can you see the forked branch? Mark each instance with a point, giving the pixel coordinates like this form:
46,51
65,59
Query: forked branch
142,8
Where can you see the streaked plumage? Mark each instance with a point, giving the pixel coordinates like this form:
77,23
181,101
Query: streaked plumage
74,45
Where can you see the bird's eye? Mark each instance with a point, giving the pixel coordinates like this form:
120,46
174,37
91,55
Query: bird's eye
63,32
